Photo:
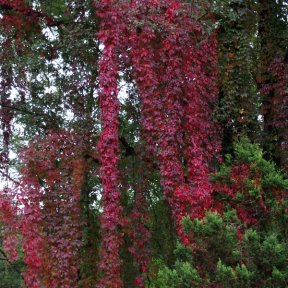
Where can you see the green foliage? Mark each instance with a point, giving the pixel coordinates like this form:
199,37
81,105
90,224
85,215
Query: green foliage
225,274
271,179
9,277
10,273
239,101
224,250
246,151
54,8
257,259
182,275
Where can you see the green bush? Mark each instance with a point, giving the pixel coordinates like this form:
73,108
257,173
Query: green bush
225,251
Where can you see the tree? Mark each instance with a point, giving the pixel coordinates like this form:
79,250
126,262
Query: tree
114,117
273,67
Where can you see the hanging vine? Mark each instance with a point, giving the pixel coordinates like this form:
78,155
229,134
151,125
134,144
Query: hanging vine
50,192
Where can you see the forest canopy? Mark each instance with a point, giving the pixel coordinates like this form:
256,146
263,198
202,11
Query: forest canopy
143,143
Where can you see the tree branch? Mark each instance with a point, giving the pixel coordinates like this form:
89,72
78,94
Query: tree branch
25,111
5,175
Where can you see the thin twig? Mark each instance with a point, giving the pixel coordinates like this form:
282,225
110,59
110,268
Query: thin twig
9,178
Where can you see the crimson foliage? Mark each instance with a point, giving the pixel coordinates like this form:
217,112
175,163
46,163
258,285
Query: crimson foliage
167,52
172,59
173,63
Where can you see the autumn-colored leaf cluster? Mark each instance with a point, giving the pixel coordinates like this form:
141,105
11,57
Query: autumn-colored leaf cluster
109,107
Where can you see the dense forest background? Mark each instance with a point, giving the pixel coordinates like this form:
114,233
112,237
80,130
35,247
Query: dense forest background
143,143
